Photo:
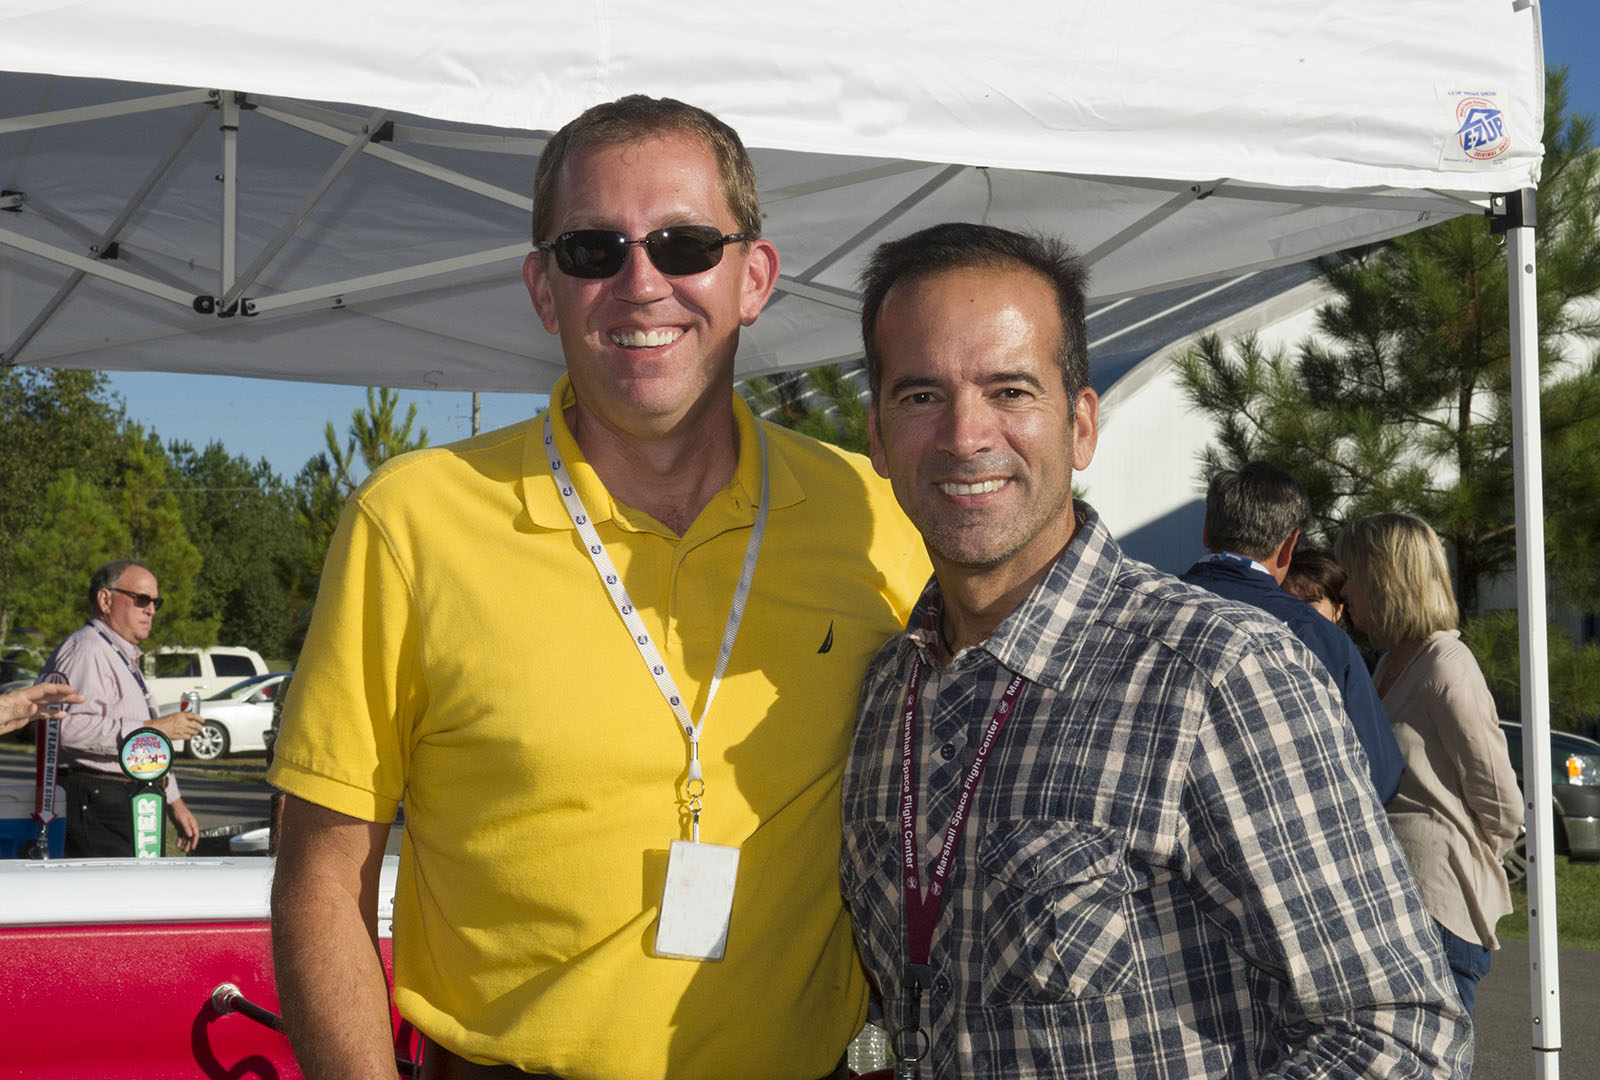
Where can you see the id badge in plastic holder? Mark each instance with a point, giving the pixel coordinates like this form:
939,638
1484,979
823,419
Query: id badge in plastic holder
697,901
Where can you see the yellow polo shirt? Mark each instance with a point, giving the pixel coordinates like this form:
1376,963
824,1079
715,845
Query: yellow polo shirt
464,657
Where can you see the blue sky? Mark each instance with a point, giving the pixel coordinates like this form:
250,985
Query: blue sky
283,421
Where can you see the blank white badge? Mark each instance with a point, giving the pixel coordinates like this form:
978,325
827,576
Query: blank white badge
697,901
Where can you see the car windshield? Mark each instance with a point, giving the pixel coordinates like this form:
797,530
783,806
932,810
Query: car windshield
240,689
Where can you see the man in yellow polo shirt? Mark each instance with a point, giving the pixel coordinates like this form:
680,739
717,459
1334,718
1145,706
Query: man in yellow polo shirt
609,659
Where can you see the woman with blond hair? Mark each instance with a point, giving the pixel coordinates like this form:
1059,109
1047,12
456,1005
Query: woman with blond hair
1458,808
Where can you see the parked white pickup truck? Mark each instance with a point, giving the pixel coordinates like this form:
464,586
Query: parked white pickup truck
172,670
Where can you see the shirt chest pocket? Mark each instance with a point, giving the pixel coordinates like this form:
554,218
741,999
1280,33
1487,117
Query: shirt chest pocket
870,879
1055,921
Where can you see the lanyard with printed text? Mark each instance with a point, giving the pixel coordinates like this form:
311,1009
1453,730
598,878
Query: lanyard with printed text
149,702
922,912
630,615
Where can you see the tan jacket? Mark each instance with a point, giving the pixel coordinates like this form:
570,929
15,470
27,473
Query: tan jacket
1458,808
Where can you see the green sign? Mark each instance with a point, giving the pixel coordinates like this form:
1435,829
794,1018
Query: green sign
146,755
149,825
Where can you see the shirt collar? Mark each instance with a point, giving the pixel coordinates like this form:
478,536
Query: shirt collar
546,509
1232,558
126,647
1062,608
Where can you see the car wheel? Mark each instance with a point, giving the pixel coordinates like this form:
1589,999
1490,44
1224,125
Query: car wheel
1516,861
209,743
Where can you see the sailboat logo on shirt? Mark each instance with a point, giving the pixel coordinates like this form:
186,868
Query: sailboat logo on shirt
827,642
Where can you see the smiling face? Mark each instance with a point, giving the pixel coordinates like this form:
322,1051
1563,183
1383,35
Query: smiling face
974,426
118,609
646,351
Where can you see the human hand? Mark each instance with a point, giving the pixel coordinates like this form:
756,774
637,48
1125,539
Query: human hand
177,725
20,706
188,827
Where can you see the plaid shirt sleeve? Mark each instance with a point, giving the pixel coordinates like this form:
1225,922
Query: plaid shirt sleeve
1311,884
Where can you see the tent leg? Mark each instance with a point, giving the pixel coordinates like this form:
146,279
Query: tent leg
1544,963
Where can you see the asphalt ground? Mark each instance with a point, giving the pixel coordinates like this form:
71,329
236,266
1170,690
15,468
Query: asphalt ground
218,793
1504,1015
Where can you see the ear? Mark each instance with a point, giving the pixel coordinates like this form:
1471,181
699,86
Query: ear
1286,551
537,278
1086,429
880,460
760,277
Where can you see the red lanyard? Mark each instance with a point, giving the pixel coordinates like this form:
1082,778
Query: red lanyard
922,913
910,1041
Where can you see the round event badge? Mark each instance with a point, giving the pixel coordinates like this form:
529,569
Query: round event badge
145,756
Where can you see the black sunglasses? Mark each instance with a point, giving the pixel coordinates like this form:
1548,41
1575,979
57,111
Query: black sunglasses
675,251
140,600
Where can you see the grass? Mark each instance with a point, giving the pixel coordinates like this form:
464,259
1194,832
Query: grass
1577,908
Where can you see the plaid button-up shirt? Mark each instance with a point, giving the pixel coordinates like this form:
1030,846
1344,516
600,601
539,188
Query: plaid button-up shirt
1174,865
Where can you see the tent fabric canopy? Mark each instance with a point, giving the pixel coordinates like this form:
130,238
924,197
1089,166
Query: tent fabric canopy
1171,142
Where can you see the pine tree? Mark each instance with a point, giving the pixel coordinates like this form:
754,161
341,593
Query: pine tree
825,403
329,478
1402,402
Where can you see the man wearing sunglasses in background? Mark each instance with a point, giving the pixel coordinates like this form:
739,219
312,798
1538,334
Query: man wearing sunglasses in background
609,659
101,659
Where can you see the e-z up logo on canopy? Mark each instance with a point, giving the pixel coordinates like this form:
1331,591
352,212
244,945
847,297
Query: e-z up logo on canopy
1483,129
1480,130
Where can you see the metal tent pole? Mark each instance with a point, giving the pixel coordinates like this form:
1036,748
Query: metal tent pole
1515,216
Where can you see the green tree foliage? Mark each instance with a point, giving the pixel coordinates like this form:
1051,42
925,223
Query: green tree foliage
77,530
146,500
375,435
1574,670
241,516
237,551
49,421
1403,400
825,403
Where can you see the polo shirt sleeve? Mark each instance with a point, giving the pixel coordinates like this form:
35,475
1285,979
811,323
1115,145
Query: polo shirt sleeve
1302,870
358,688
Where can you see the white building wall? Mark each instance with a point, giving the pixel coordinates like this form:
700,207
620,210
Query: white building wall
1144,479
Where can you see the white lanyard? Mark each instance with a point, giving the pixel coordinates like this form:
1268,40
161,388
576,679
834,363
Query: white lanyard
630,616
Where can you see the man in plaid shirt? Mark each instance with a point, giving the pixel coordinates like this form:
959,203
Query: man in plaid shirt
1097,822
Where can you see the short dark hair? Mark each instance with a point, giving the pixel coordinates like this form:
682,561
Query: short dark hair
961,245
1314,574
1253,509
636,117
107,576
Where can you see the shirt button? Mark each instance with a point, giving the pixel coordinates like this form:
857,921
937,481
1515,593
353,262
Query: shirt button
941,985
947,751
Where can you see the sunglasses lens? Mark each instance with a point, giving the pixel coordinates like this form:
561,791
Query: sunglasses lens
687,249
675,251
591,253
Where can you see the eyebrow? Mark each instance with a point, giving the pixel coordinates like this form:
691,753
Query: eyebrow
907,383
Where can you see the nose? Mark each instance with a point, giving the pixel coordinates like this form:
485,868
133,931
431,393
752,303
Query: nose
639,282
968,426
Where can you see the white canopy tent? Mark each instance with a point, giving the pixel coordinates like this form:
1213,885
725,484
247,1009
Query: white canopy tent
338,192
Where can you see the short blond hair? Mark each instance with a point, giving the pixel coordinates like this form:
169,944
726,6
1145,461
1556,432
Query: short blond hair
633,119
1400,564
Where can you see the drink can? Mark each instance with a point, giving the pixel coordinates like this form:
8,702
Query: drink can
190,702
